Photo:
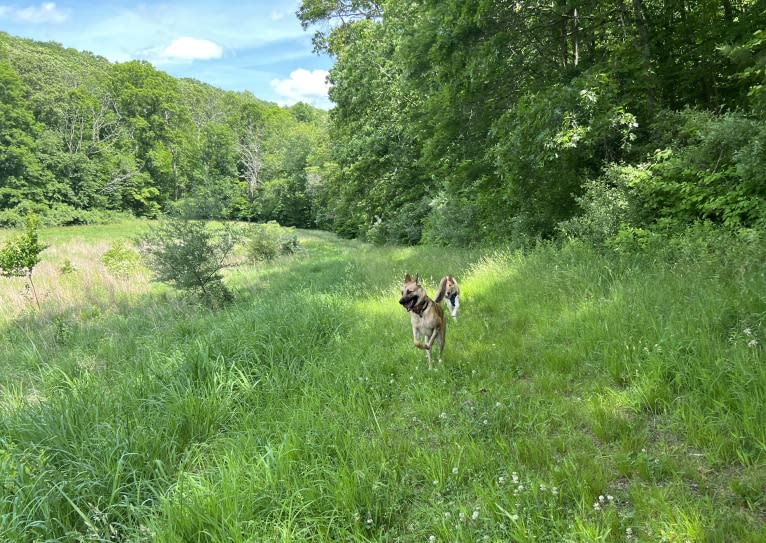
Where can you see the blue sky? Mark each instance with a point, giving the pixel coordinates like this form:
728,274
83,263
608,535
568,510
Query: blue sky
234,45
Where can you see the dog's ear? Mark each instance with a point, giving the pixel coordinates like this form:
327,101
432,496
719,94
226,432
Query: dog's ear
407,278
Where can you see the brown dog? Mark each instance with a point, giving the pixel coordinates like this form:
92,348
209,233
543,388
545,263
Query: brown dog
426,315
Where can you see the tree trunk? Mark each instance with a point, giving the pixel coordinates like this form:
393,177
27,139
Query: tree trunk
646,53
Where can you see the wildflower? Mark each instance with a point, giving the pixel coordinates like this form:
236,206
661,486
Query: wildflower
747,332
447,514
596,506
475,514
514,517
555,491
542,487
601,499
515,477
752,343
486,421
436,482
498,405
431,539
609,497
454,470
501,480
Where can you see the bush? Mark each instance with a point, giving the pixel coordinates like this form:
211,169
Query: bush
609,204
120,259
268,241
190,255
20,255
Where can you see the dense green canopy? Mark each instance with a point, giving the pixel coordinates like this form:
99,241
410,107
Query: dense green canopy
82,137
494,120
454,122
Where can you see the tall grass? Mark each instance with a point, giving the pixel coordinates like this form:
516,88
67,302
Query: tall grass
584,396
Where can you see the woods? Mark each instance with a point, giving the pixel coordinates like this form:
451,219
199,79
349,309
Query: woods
471,122
456,123
83,138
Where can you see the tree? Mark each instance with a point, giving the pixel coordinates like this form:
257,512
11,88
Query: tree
190,255
21,254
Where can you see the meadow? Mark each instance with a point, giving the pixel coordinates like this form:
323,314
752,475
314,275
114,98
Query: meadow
585,395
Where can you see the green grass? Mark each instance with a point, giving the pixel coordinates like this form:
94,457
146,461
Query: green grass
583,397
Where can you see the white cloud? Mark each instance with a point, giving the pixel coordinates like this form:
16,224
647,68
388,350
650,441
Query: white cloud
191,49
47,12
303,86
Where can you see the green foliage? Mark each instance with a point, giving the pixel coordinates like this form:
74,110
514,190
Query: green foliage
267,241
21,254
190,256
81,136
120,259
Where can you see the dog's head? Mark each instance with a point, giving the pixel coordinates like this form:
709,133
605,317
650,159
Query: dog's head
412,292
451,287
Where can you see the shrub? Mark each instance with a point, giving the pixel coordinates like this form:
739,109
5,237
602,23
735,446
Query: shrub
189,255
268,241
20,255
608,204
120,259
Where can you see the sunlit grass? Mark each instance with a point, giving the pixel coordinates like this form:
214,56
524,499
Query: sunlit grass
583,397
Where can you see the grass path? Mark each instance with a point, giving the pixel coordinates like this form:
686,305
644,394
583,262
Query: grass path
583,397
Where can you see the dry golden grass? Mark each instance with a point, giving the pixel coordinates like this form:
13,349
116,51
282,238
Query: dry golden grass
71,273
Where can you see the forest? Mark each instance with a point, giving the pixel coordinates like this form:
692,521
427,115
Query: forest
454,122
87,141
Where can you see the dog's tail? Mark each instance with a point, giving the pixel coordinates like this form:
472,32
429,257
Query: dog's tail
442,289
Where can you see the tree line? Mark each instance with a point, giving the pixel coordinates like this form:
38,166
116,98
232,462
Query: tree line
82,139
484,121
453,123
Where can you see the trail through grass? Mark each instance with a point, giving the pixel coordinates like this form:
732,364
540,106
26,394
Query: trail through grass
583,397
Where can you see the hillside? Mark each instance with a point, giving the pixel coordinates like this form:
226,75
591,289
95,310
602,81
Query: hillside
90,141
584,396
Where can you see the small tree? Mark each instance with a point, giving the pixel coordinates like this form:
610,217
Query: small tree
20,255
190,255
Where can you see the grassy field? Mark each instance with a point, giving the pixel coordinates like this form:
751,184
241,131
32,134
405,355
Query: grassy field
584,397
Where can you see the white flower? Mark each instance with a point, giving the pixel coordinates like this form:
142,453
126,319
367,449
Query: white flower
435,482
475,514
596,507
752,343
601,499
501,480
555,491
747,332
514,517
431,539
454,470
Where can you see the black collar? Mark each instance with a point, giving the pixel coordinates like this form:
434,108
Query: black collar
421,307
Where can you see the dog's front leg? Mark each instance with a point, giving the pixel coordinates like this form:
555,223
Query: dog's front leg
428,344
415,339
455,307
